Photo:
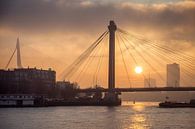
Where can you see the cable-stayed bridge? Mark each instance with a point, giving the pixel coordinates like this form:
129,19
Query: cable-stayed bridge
148,89
17,49
96,66
108,64
110,61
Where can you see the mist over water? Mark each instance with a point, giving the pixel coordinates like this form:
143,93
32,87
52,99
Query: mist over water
142,115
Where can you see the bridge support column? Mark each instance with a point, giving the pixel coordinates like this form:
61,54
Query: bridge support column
111,97
111,66
19,62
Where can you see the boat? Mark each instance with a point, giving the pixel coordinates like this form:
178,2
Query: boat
169,104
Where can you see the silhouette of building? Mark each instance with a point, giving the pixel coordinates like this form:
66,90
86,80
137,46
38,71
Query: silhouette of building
149,82
66,85
26,80
173,75
66,89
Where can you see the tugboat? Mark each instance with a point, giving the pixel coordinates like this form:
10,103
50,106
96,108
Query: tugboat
168,104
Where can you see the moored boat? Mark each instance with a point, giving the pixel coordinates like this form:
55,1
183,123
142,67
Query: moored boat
168,104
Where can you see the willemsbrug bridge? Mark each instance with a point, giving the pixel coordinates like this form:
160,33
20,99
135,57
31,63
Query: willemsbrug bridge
156,89
158,55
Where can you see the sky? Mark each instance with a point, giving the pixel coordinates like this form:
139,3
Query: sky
53,33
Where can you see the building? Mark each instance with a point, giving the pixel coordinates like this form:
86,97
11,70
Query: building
66,85
66,89
173,75
26,81
21,100
149,82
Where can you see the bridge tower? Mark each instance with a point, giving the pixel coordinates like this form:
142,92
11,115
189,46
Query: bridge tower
111,97
111,66
19,62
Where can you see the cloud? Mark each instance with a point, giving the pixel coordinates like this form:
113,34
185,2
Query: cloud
67,25
82,16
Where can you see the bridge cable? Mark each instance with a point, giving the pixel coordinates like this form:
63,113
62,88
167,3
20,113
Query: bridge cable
79,60
83,56
82,60
10,58
98,67
128,76
171,56
170,49
127,48
89,60
144,58
86,66
187,64
154,56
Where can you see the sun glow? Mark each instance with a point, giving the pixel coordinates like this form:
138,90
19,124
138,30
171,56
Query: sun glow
138,69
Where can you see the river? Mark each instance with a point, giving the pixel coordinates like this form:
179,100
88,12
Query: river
141,115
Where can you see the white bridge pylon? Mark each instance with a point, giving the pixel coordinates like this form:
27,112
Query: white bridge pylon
19,62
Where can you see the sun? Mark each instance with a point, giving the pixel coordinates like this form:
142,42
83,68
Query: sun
138,69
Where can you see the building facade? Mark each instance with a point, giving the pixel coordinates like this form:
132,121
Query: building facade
26,80
173,75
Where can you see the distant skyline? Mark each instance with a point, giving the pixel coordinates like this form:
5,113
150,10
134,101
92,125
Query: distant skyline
53,33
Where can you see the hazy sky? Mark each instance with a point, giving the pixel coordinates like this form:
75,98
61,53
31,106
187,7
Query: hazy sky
54,32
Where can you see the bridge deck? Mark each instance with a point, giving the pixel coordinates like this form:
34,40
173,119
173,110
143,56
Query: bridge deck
142,89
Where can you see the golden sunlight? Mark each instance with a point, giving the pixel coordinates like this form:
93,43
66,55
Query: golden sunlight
138,69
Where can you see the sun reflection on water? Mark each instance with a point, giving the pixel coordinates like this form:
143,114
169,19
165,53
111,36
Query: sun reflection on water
138,119
138,107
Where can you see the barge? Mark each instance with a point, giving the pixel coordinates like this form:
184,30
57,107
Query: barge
168,104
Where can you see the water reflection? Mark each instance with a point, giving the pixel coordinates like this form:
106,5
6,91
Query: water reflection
131,116
138,122
138,119
138,107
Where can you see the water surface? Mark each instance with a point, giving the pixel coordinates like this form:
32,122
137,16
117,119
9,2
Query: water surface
128,116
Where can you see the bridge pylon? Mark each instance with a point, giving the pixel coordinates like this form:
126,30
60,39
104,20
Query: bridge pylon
19,62
111,66
111,97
